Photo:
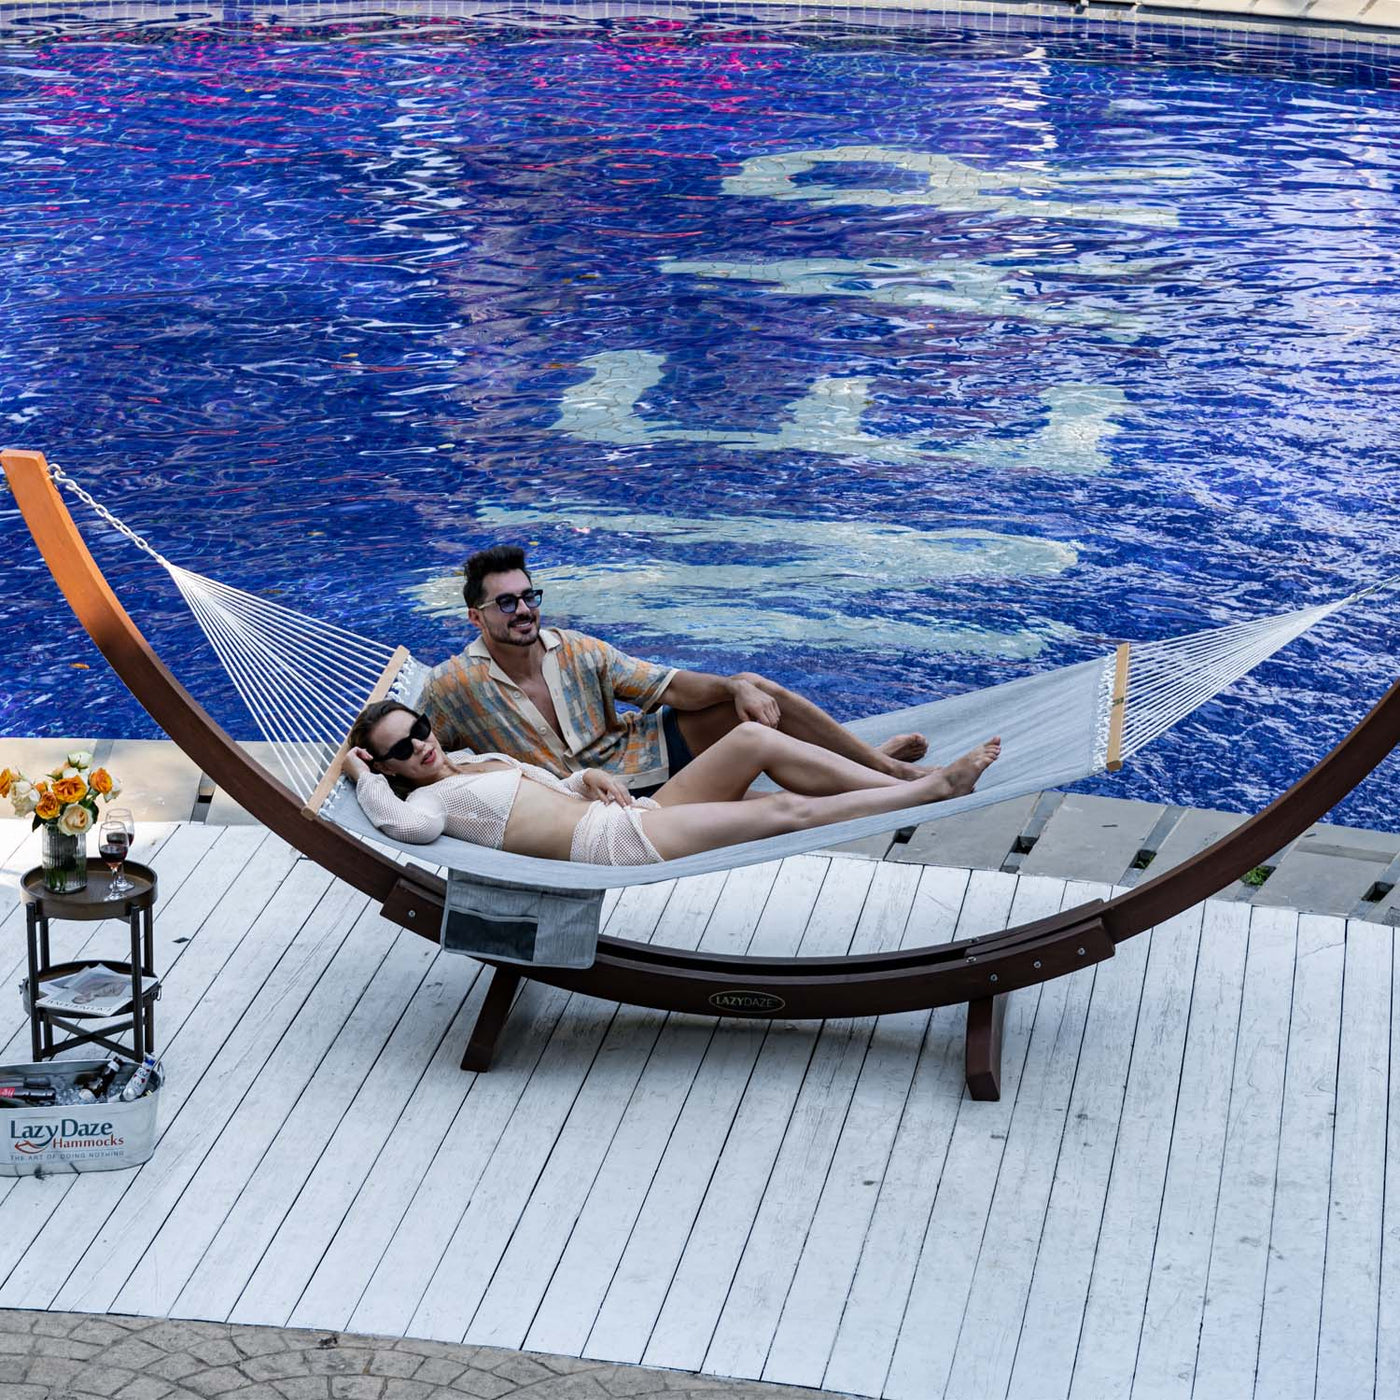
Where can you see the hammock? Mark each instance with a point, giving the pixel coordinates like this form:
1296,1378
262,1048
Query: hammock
305,681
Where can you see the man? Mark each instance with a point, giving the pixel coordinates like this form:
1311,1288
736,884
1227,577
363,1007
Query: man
549,696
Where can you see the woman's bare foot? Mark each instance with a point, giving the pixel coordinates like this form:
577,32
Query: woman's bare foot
904,748
959,777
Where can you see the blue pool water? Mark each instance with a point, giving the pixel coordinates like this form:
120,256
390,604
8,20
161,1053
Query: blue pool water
887,365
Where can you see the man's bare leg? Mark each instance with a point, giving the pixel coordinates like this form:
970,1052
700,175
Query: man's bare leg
804,720
724,771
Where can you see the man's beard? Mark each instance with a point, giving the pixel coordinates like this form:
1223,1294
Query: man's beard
522,636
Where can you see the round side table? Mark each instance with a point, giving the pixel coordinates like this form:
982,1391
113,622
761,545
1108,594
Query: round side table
96,901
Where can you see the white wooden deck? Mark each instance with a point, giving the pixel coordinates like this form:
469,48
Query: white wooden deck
1183,1191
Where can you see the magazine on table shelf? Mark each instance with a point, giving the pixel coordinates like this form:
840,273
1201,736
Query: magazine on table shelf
92,991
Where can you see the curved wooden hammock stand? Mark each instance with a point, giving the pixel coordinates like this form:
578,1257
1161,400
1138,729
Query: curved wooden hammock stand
979,971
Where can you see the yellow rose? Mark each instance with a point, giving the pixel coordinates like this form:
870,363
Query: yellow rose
6,778
75,819
99,778
70,789
41,787
49,807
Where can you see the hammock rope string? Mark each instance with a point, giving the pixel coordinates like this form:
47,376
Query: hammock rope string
304,681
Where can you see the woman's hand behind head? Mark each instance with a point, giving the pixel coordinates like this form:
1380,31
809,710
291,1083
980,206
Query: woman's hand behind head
356,764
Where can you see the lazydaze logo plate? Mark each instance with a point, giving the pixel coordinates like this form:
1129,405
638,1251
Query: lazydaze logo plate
62,1135
745,1003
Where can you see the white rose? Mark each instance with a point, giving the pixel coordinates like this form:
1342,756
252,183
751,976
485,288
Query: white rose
24,798
116,788
71,773
79,758
75,820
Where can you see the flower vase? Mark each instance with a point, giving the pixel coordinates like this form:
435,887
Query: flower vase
64,859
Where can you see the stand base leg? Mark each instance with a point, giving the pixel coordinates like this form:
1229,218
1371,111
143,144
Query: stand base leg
985,1019
490,1020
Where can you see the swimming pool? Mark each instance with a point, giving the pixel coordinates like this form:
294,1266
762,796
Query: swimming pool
888,363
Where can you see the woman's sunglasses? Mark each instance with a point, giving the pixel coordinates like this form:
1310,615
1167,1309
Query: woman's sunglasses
403,750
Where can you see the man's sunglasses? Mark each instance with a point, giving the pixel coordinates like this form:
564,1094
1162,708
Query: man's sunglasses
403,750
508,602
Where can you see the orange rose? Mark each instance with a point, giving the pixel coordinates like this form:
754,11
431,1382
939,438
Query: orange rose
6,780
49,807
69,789
100,780
41,787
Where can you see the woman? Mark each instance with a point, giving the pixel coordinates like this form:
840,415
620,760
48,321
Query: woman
413,791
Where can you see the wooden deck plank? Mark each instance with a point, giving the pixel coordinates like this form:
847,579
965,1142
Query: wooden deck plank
222,1070
1234,1292
805,1326
70,1218
744,1331
1166,1360
953,1228
509,1176
1388,1320
1298,1237
383,1292
1044,1362
339,1123
818,1297
353,1198
298,1285
1114,1310
1346,1354
265,1148
522,1277
504,1301
472,1258
991,1322
644,1274
575,1290
386,1301
802,1204
869,1326
575,1293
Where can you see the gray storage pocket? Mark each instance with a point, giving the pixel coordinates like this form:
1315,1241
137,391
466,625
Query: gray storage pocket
520,923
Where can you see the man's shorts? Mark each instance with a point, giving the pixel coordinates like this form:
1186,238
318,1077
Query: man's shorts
678,752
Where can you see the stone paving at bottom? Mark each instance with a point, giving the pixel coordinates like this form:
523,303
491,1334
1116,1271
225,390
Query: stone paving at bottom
53,1355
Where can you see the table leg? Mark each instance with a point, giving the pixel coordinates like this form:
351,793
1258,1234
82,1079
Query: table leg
31,929
136,1007
149,965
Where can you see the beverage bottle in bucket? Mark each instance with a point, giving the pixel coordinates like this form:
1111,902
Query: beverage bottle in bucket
100,1086
140,1078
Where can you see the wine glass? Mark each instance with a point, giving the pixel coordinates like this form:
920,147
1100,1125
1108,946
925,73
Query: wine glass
113,842
122,815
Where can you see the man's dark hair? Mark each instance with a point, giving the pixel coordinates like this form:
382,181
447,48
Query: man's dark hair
499,559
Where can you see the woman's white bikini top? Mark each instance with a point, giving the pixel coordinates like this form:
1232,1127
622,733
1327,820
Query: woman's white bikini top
470,806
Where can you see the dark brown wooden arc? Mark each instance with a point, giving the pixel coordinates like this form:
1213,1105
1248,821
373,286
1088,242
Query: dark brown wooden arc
976,971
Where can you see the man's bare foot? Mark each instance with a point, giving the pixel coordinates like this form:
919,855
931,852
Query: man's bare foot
904,748
959,777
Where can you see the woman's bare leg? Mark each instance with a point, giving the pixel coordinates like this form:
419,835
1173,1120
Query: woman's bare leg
723,772
685,828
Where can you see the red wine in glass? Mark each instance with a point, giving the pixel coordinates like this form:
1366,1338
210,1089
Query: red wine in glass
113,843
